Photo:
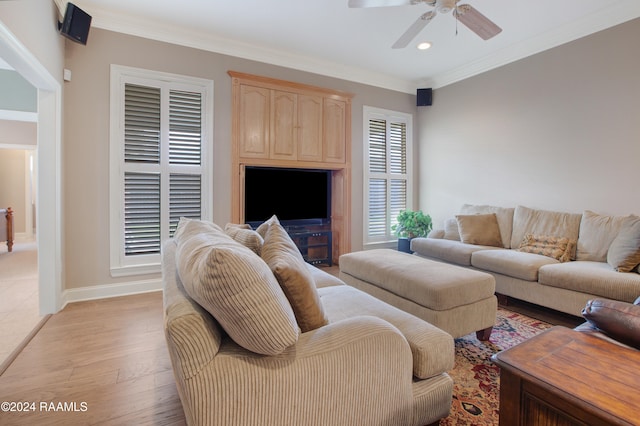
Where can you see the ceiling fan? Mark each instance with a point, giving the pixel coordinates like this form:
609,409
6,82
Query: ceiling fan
465,13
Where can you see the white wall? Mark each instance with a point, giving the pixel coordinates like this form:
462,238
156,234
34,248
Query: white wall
559,130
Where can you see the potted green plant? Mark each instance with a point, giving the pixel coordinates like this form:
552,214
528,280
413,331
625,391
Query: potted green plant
411,224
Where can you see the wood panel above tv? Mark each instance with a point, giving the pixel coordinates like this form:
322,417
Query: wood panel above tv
279,123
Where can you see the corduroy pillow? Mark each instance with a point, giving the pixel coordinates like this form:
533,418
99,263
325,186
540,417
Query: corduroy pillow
246,236
480,229
559,248
235,286
624,252
290,269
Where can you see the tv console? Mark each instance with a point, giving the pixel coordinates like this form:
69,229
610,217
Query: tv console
314,242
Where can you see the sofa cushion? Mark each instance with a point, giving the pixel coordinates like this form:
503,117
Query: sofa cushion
544,222
289,268
513,263
597,232
432,348
246,236
235,286
624,252
322,278
546,245
455,252
596,278
504,215
480,229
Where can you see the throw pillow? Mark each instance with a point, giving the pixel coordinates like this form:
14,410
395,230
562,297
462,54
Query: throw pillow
480,229
264,226
504,215
290,269
544,222
624,252
245,236
617,319
451,230
597,232
236,287
559,248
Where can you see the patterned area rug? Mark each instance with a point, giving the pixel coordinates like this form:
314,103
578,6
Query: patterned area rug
476,379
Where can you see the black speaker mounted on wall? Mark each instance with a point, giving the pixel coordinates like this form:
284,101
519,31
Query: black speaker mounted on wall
424,97
76,24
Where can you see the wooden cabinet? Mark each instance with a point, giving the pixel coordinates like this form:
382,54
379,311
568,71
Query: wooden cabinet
334,141
254,107
310,127
285,122
296,127
278,123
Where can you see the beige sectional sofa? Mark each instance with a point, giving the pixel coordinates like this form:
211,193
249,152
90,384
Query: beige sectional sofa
258,337
555,259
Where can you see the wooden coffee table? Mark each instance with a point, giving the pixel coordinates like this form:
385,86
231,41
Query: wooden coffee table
565,377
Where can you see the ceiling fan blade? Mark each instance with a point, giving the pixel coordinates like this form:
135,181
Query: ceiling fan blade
414,30
379,3
476,21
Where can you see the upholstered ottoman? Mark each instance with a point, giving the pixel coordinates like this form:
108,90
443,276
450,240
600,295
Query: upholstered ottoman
455,299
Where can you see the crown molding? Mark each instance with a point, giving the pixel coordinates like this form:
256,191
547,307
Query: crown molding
200,40
624,11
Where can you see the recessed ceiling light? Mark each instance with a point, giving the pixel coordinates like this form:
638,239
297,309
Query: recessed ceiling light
424,45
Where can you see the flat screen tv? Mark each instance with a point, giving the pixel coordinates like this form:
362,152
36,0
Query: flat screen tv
76,24
295,196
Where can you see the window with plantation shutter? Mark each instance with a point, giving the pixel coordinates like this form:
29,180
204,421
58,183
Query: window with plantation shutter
161,128
387,180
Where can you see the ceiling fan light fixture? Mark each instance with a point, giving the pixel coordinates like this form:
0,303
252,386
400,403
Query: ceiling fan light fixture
424,45
445,6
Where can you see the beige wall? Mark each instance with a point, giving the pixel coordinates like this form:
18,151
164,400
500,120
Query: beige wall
35,24
13,189
19,133
13,185
559,130
86,138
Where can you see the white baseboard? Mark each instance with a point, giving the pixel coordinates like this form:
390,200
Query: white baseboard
110,290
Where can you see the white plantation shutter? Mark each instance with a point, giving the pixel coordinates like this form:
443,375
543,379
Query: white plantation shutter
185,127
160,129
184,198
387,176
141,190
185,135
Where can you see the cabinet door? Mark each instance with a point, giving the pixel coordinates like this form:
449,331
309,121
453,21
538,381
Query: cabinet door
284,113
254,122
334,130
309,128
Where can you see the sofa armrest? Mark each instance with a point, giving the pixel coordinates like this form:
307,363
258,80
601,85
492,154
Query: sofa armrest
323,278
360,367
193,336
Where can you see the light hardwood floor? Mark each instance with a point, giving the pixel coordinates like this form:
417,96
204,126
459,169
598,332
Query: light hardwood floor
18,295
108,354
111,355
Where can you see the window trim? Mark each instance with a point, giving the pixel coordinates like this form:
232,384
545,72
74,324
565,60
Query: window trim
121,265
370,113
